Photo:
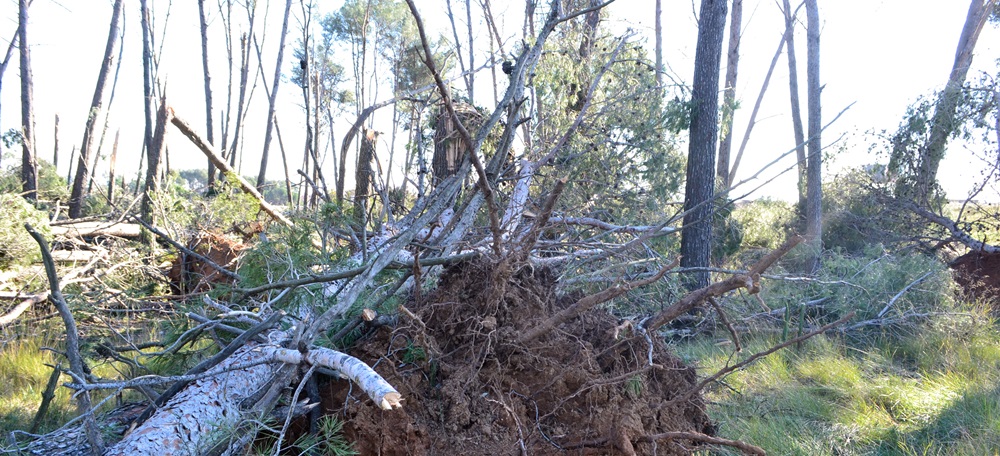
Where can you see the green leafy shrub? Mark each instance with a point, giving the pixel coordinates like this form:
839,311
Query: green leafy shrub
17,248
764,223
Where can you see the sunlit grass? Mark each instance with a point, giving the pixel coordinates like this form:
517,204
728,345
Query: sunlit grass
934,389
24,375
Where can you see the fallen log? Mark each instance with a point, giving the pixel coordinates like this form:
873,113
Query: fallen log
99,228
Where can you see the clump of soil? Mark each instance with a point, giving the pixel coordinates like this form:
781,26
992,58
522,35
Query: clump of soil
978,273
471,388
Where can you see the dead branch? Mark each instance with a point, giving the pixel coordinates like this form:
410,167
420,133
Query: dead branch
750,281
77,369
902,292
19,309
216,160
588,302
98,228
959,234
596,223
536,228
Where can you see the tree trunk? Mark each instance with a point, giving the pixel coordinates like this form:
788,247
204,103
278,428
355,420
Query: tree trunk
29,167
729,97
814,175
111,169
55,144
147,84
659,44
209,125
943,123
696,236
83,166
154,156
273,98
363,180
793,86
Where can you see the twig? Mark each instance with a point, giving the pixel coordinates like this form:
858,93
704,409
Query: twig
750,281
725,321
901,293
699,437
76,365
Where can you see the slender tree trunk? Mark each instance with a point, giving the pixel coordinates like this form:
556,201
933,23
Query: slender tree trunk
814,175
153,149
943,123
472,53
659,44
55,146
241,104
111,169
696,235
209,124
729,97
273,98
83,167
29,167
793,87
363,182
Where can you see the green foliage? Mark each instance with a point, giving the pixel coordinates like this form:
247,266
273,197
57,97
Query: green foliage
764,223
17,248
328,441
908,146
51,186
622,163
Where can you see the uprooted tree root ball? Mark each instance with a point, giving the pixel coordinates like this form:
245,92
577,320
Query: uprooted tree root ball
592,386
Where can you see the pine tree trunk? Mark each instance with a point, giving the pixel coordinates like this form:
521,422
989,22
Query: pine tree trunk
209,124
814,175
699,190
83,166
29,167
729,96
273,98
793,86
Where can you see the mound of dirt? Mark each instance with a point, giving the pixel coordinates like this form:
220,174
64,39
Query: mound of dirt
978,273
592,386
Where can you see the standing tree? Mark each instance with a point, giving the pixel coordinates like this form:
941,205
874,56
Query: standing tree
83,167
793,87
814,175
152,153
29,167
209,128
273,99
943,124
699,190
729,97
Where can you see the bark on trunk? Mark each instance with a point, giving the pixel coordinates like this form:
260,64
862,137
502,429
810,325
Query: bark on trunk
29,167
814,175
793,88
699,190
83,166
729,97
209,124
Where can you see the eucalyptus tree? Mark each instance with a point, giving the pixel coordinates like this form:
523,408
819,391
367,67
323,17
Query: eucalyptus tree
29,167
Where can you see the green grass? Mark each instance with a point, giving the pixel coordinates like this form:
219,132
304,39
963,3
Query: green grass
932,390
24,374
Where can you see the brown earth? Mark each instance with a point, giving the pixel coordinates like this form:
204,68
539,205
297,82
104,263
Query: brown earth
978,273
471,389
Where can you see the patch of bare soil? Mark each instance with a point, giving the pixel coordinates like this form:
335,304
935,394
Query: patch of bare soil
470,388
978,273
